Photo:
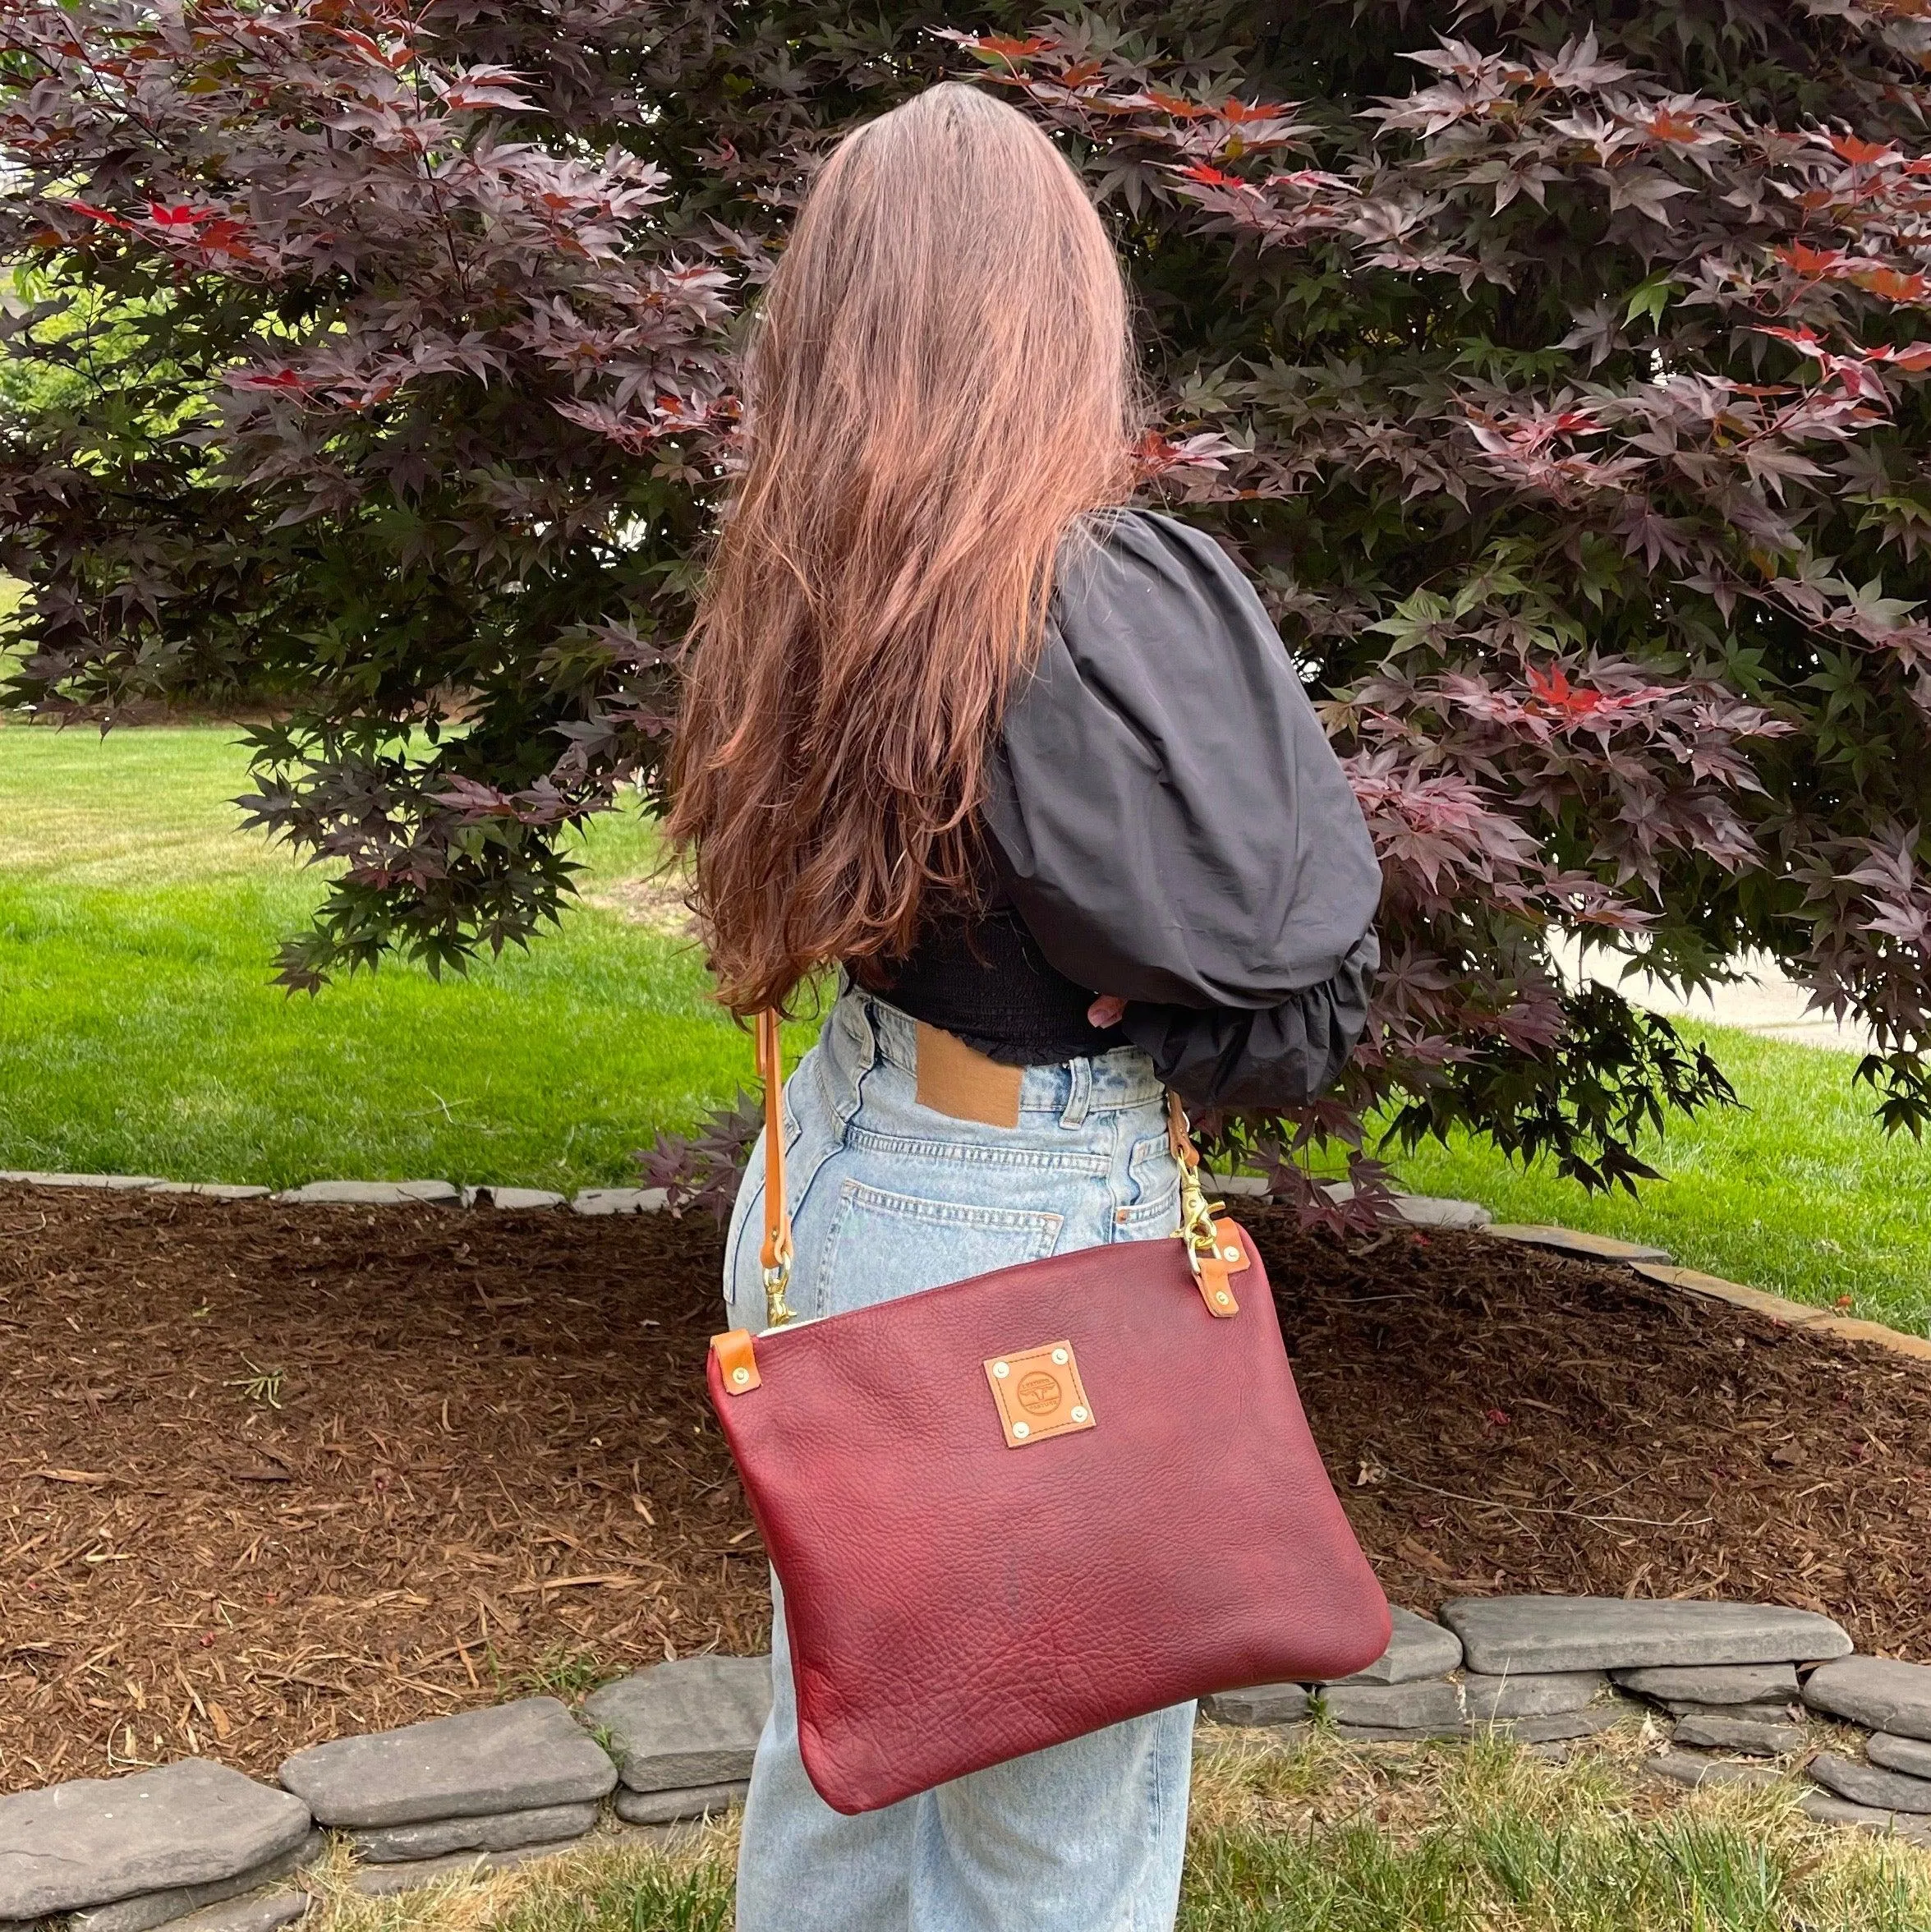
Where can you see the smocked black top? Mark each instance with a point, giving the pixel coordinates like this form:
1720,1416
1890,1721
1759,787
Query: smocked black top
1164,820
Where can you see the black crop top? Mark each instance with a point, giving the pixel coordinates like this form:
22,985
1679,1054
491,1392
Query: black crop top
986,980
1165,821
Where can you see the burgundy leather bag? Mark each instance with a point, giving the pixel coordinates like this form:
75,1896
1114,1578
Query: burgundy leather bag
1010,1510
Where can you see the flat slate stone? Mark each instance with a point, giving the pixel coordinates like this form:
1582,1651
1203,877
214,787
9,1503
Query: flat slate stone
147,1909
707,1801
513,1758
371,1193
1868,1784
511,1198
617,1201
1739,1735
1575,1241
1261,1704
249,1915
1686,1767
1418,1649
1827,1810
30,1178
1439,1211
381,1881
1847,1330
1556,1728
94,1840
1910,1755
1510,1635
1785,1713
211,1190
500,1831
1539,1695
1399,1707
678,1725
1879,1692
1714,1683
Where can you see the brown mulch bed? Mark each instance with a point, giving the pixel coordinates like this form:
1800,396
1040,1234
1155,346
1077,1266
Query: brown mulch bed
269,1475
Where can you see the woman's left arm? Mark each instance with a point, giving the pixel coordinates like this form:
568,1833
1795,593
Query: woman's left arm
1241,1059
1171,822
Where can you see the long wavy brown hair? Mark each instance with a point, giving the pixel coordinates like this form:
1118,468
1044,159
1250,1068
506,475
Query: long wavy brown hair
939,387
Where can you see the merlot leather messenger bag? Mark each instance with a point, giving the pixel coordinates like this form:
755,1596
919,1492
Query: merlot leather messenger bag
1012,1509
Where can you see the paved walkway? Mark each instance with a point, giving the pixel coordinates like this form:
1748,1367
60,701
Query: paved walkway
1764,1003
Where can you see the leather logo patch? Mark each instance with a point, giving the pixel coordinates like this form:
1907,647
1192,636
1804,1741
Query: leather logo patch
957,1080
1038,1393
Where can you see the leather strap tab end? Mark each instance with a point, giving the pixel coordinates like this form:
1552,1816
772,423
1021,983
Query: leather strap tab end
737,1361
1232,1244
1216,1289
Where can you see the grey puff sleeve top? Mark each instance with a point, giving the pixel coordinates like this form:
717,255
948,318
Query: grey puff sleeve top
1166,818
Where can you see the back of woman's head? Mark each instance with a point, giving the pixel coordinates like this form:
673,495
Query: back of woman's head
938,389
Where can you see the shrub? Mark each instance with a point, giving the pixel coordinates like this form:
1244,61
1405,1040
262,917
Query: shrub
1562,381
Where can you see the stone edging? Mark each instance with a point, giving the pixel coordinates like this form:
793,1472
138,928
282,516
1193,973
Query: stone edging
177,1844
1725,1680
1417,1210
1655,1264
360,1193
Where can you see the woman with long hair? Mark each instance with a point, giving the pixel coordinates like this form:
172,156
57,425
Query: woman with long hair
1031,772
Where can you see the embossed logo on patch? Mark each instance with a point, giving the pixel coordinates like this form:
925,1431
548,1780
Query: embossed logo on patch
1038,1393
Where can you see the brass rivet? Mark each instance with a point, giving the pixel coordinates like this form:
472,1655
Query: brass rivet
1059,1356
1221,1298
1021,1428
1000,1370
1079,1415
1229,1254
740,1376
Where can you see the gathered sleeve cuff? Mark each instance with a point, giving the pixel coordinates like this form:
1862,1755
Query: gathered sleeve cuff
1240,1059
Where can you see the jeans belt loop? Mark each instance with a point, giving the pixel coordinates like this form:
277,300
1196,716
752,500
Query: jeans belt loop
1079,1101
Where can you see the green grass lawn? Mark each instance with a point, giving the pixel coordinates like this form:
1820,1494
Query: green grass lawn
1319,1836
139,1034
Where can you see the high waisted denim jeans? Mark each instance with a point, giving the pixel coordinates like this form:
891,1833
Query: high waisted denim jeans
888,1196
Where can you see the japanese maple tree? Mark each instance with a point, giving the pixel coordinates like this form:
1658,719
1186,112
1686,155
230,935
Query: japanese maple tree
1559,374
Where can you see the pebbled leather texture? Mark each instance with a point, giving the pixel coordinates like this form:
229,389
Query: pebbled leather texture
951,1604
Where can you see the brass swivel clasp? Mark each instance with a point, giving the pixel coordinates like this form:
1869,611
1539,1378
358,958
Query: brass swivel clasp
777,1280
1197,1211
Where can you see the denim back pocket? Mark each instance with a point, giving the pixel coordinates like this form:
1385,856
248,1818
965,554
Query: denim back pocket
881,1245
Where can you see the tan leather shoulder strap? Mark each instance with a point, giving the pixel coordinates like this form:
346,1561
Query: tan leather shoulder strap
775,1253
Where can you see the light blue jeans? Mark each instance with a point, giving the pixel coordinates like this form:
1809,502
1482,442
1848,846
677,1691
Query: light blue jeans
888,1196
